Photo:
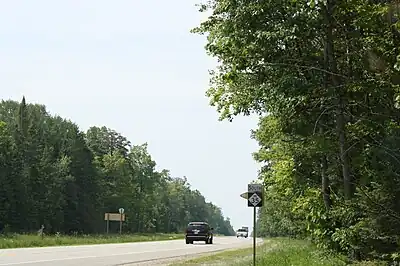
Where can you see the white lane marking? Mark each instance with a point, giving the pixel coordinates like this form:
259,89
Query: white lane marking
84,257
110,255
95,256
55,248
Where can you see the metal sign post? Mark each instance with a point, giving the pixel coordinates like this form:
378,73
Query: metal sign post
108,222
121,212
254,200
254,234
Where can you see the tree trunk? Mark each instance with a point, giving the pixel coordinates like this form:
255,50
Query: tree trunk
325,183
324,162
337,92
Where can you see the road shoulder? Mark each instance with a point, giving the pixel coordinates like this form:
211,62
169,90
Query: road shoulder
274,251
226,257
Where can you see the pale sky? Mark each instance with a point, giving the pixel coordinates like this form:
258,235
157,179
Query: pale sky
132,66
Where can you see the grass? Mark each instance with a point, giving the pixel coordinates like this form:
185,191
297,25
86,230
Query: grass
26,240
276,251
228,257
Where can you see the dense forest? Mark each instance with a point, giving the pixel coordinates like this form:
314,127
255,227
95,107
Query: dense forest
52,173
323,76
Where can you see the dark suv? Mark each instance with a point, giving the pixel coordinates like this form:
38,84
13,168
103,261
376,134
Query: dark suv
199,231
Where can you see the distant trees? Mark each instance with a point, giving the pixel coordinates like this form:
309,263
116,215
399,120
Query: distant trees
51,173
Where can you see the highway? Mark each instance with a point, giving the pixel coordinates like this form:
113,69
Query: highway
115,254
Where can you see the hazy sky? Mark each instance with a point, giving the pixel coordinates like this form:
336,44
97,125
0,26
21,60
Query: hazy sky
132,66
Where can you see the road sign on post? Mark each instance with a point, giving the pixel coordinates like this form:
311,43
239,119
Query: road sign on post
254,195
115,217
254,199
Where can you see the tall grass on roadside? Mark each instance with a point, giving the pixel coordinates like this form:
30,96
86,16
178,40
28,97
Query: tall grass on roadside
297,252
292,252
30,240
274,252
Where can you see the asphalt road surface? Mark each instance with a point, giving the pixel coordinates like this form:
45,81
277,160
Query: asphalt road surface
115,254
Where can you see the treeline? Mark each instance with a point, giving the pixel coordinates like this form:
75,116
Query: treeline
52,173
324,77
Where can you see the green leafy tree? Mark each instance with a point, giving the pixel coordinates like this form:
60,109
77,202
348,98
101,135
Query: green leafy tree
53,174
323,76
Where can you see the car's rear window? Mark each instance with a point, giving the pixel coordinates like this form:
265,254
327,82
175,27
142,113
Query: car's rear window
196,226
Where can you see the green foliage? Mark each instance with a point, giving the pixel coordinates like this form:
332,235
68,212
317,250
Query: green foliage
53,174
324,78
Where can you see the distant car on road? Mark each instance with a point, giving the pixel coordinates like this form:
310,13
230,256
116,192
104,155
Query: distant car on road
242,232
199,231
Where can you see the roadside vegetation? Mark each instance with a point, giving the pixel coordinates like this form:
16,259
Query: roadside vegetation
52,174
277,251
324,79
25,240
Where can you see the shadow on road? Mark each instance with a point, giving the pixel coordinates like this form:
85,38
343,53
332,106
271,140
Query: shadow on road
203,244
